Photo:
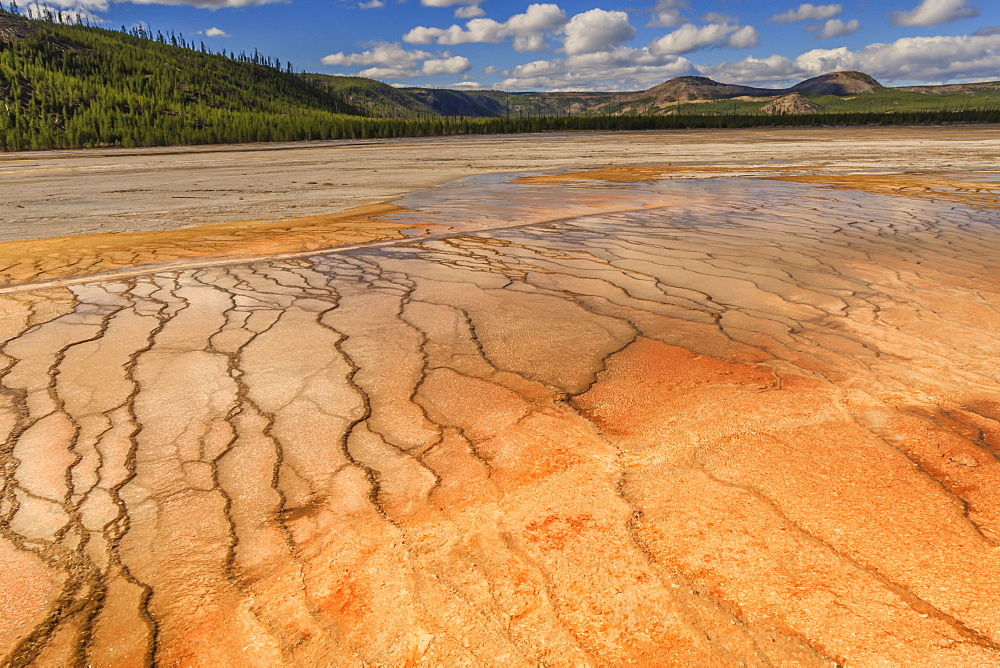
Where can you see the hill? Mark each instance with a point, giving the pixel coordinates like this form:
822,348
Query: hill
838,83
686,89
83,86
793,103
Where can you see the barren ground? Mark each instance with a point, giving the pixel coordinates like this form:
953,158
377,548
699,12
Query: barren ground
612,413
56,193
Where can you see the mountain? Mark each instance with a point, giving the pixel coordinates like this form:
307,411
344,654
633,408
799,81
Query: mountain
685,89
838,83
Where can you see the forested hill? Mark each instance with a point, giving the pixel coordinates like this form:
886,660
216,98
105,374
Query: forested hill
74,85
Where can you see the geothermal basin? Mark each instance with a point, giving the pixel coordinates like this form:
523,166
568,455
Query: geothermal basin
572,417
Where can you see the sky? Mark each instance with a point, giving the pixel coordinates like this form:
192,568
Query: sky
587,45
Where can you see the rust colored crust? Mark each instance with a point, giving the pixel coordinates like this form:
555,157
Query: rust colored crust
950,189
79,255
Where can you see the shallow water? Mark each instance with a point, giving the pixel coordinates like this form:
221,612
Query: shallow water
698,422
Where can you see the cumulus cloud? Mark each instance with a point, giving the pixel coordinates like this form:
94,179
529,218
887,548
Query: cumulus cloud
668,13
371,4
771,70
469,12
744,37
808,12
382,53
597,58
717,17
452,65
475,31
213,32
527,29
922,59
690,37
391,61
934,12
836,28
622,67
597,30
986,32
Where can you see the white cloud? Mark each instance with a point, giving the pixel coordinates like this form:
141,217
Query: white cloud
934,12
391,61
214,32
808,12
596,57
452,65
668,13
690,37
382,53
597,30
532,42
469,12
921,59
475,31
745,37
536,18
371,4
467,85
717,17
771,70
620,68
836,28
527,29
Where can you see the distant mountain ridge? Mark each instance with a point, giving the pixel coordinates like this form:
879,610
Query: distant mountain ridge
700,89
378,98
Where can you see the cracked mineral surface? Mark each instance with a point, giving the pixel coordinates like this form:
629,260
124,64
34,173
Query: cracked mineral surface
585,420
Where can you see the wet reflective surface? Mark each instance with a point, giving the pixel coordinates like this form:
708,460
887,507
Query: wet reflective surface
729,421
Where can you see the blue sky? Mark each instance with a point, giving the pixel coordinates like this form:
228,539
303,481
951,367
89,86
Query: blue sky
589,45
